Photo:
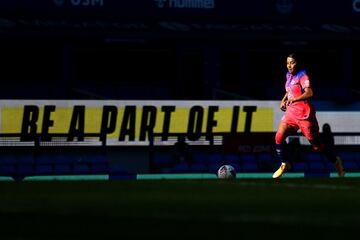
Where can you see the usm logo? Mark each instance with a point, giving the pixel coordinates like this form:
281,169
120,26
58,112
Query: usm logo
192,4
92,3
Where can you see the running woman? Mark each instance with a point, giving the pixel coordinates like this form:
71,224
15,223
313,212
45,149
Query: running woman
299,115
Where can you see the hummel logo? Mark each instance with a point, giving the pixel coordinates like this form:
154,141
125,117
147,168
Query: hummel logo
160,3
59,3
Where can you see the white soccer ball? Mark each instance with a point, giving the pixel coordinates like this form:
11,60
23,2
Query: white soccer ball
226,172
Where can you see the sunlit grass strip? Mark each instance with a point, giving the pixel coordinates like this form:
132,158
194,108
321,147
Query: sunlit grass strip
268,175
160,176
347,175
212,176
5,179
67,178
176,176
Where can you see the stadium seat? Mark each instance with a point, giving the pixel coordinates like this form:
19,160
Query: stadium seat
200,157
330,166
44,158
43,169
181,168
81,158
214,167
215,158
249,167
351,166
298,167
198,168
248,162
7,169
265,157
266,162
162,160
99,168
247,157
80,168
60,169
313,157
98,163
347,156
231,159
166,170
117,168
25,159
317,166
25,169
357,157
98,158
321,174
62,158
8,159
236,166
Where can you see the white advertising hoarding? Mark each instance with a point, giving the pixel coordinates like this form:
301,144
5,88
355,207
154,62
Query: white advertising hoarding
131,122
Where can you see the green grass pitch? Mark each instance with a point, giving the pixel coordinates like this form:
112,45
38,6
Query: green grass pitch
181,209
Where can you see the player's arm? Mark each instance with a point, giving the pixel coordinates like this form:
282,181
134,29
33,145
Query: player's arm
308,93
283,102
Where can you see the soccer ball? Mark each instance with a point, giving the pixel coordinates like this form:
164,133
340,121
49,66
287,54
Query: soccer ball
226,172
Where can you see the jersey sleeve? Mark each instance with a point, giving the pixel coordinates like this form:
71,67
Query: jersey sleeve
305,81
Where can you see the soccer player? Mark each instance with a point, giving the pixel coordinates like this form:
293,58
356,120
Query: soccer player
299,115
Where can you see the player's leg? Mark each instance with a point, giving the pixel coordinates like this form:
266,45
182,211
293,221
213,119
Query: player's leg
310,129
283,131
329,154
280,136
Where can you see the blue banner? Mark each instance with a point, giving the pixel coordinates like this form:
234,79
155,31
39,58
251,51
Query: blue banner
289,10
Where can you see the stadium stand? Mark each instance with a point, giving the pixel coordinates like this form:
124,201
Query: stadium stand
168,52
